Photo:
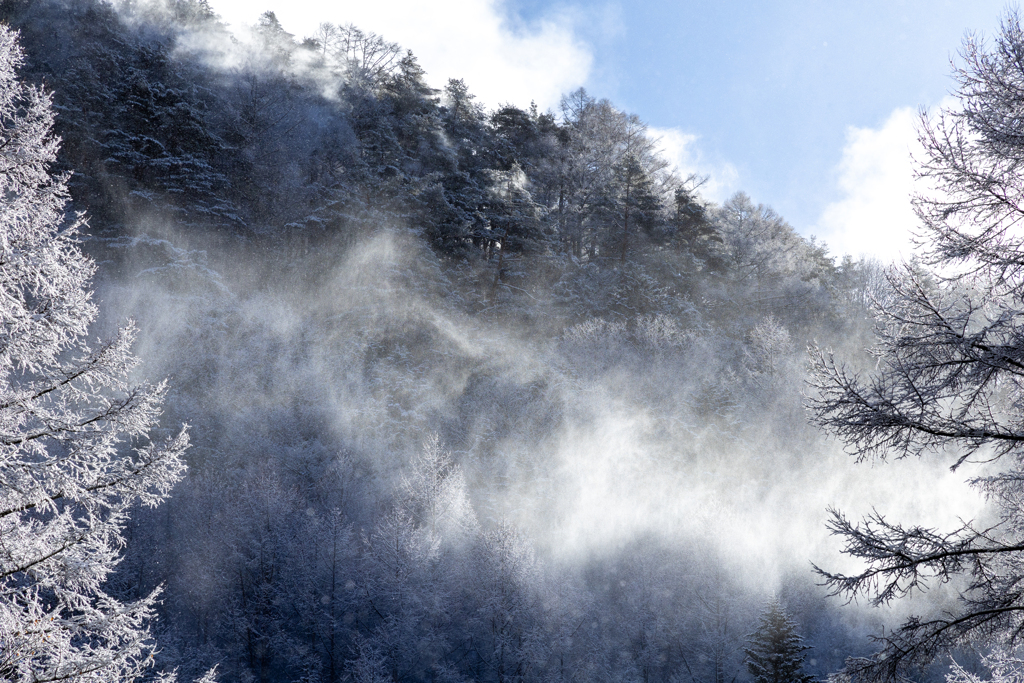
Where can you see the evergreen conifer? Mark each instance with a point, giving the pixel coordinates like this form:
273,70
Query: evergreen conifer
776,650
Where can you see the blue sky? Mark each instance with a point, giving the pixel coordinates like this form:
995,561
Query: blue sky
805,105
773,88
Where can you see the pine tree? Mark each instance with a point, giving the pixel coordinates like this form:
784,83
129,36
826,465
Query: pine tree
776,650
75,456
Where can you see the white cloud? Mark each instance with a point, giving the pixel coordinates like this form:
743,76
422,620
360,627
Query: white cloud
499,60
874,217
681,150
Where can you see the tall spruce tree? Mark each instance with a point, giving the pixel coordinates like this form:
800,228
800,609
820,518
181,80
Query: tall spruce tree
776,650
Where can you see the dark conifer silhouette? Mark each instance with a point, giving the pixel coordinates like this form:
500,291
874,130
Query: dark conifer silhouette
776,650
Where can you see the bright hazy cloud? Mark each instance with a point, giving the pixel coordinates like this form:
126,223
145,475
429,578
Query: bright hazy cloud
684,153
874,216
500,59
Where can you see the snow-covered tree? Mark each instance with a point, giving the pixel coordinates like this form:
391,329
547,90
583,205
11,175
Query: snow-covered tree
776,652
1004,665
949,376
511,642
434,495
75,455
769,348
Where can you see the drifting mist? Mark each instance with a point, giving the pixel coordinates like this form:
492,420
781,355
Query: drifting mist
470,392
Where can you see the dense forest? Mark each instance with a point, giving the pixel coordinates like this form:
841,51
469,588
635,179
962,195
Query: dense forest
470,394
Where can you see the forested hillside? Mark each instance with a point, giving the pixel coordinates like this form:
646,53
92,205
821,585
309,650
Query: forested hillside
489,395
